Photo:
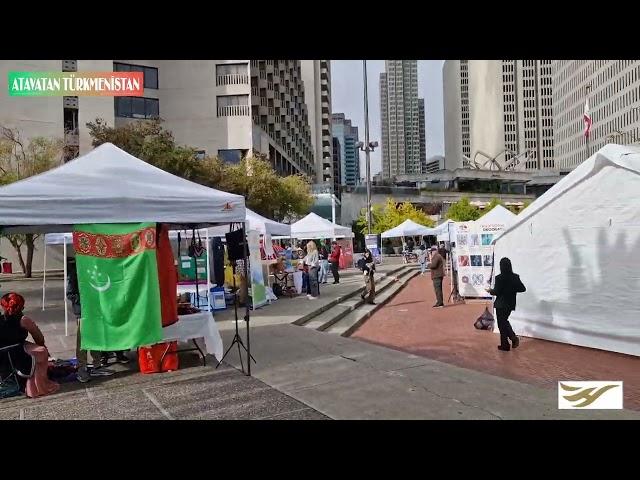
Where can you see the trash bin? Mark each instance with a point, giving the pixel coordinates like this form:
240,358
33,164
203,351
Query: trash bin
7,267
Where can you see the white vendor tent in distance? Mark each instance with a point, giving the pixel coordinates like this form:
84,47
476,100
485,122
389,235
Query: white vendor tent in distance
576,249
408,228
107,185
314,226
255,221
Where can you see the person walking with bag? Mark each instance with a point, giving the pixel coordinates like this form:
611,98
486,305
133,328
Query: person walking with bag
507,286
368,266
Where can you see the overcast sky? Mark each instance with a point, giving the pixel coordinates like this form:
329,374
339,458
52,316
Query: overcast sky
347,97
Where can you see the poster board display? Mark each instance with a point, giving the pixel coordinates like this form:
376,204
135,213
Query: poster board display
372,242
475,258
258,289
187,268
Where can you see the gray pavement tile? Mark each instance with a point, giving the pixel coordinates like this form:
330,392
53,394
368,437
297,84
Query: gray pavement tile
10,414
303,414
119,406
237,397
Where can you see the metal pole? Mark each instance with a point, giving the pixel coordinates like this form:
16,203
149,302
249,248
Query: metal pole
66,312
367,148
44,273
333,208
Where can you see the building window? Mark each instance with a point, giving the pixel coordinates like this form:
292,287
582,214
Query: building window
233,105
137,107
150,74
231,155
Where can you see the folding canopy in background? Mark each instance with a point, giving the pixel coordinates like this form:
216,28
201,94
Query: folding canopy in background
408,228
107,185
576,250
314,226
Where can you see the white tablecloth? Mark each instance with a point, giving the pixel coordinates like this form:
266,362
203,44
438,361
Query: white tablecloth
197,325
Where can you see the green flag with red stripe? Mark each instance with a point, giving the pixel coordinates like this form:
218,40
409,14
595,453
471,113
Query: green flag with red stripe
119,289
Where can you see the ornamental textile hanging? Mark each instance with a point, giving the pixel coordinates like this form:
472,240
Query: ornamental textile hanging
119,289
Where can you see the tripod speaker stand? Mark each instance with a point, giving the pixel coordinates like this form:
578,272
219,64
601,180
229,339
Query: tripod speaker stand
237,339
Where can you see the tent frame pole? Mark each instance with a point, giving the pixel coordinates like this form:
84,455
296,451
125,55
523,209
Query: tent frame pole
66,310
44,273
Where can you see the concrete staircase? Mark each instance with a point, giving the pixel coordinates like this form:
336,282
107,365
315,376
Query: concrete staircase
344,315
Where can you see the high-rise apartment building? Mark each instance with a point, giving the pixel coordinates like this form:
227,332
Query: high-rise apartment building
225,108
317,79
423,136
347,136
400,122
500,110
613,90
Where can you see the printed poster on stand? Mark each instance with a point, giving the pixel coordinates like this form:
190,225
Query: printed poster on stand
258,290
474,251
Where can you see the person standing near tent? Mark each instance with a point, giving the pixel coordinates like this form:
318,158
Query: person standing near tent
436,265
324,264
507,285
85,370
422,259
334,260
312,262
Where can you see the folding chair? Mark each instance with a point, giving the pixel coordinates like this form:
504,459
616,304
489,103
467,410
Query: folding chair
9,383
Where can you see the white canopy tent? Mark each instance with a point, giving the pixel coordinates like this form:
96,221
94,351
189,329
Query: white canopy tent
408,228
498,216
314,226
576,250
107,185
446,231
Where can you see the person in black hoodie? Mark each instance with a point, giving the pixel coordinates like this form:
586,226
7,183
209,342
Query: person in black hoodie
508,284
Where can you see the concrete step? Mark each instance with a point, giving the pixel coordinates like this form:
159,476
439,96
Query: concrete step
329,306
334,315
349,323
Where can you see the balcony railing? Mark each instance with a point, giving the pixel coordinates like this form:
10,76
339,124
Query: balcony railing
232,79
234,111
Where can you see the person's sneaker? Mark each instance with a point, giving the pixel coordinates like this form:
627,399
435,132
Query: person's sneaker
312,298
82,375
122,358
504,349
101,372
515,343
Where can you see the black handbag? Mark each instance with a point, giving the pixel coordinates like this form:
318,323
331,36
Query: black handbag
485,321
195,248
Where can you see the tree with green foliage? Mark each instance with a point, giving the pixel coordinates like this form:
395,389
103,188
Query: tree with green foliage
20,160
265,191
392,215
463,211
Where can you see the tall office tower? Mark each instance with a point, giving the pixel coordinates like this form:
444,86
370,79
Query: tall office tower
423,136
400,123
500,110
613,90
347,135
317,79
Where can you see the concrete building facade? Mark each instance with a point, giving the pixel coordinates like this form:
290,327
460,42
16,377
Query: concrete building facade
499,114
224,108
613,89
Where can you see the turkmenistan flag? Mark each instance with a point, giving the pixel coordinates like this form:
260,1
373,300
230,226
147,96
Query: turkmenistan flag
118,281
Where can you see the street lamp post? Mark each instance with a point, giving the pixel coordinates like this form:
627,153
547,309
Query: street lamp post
367,147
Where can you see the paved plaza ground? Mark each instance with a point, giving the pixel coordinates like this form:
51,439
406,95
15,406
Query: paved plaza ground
409,323
418,370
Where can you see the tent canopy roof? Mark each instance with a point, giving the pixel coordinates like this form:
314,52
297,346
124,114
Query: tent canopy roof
408,228
498,214
620,156
314,226
107,185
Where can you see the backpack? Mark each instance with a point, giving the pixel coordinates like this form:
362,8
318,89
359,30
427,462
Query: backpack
485,321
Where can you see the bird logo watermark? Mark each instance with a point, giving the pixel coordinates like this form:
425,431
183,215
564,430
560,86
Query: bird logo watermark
590,395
